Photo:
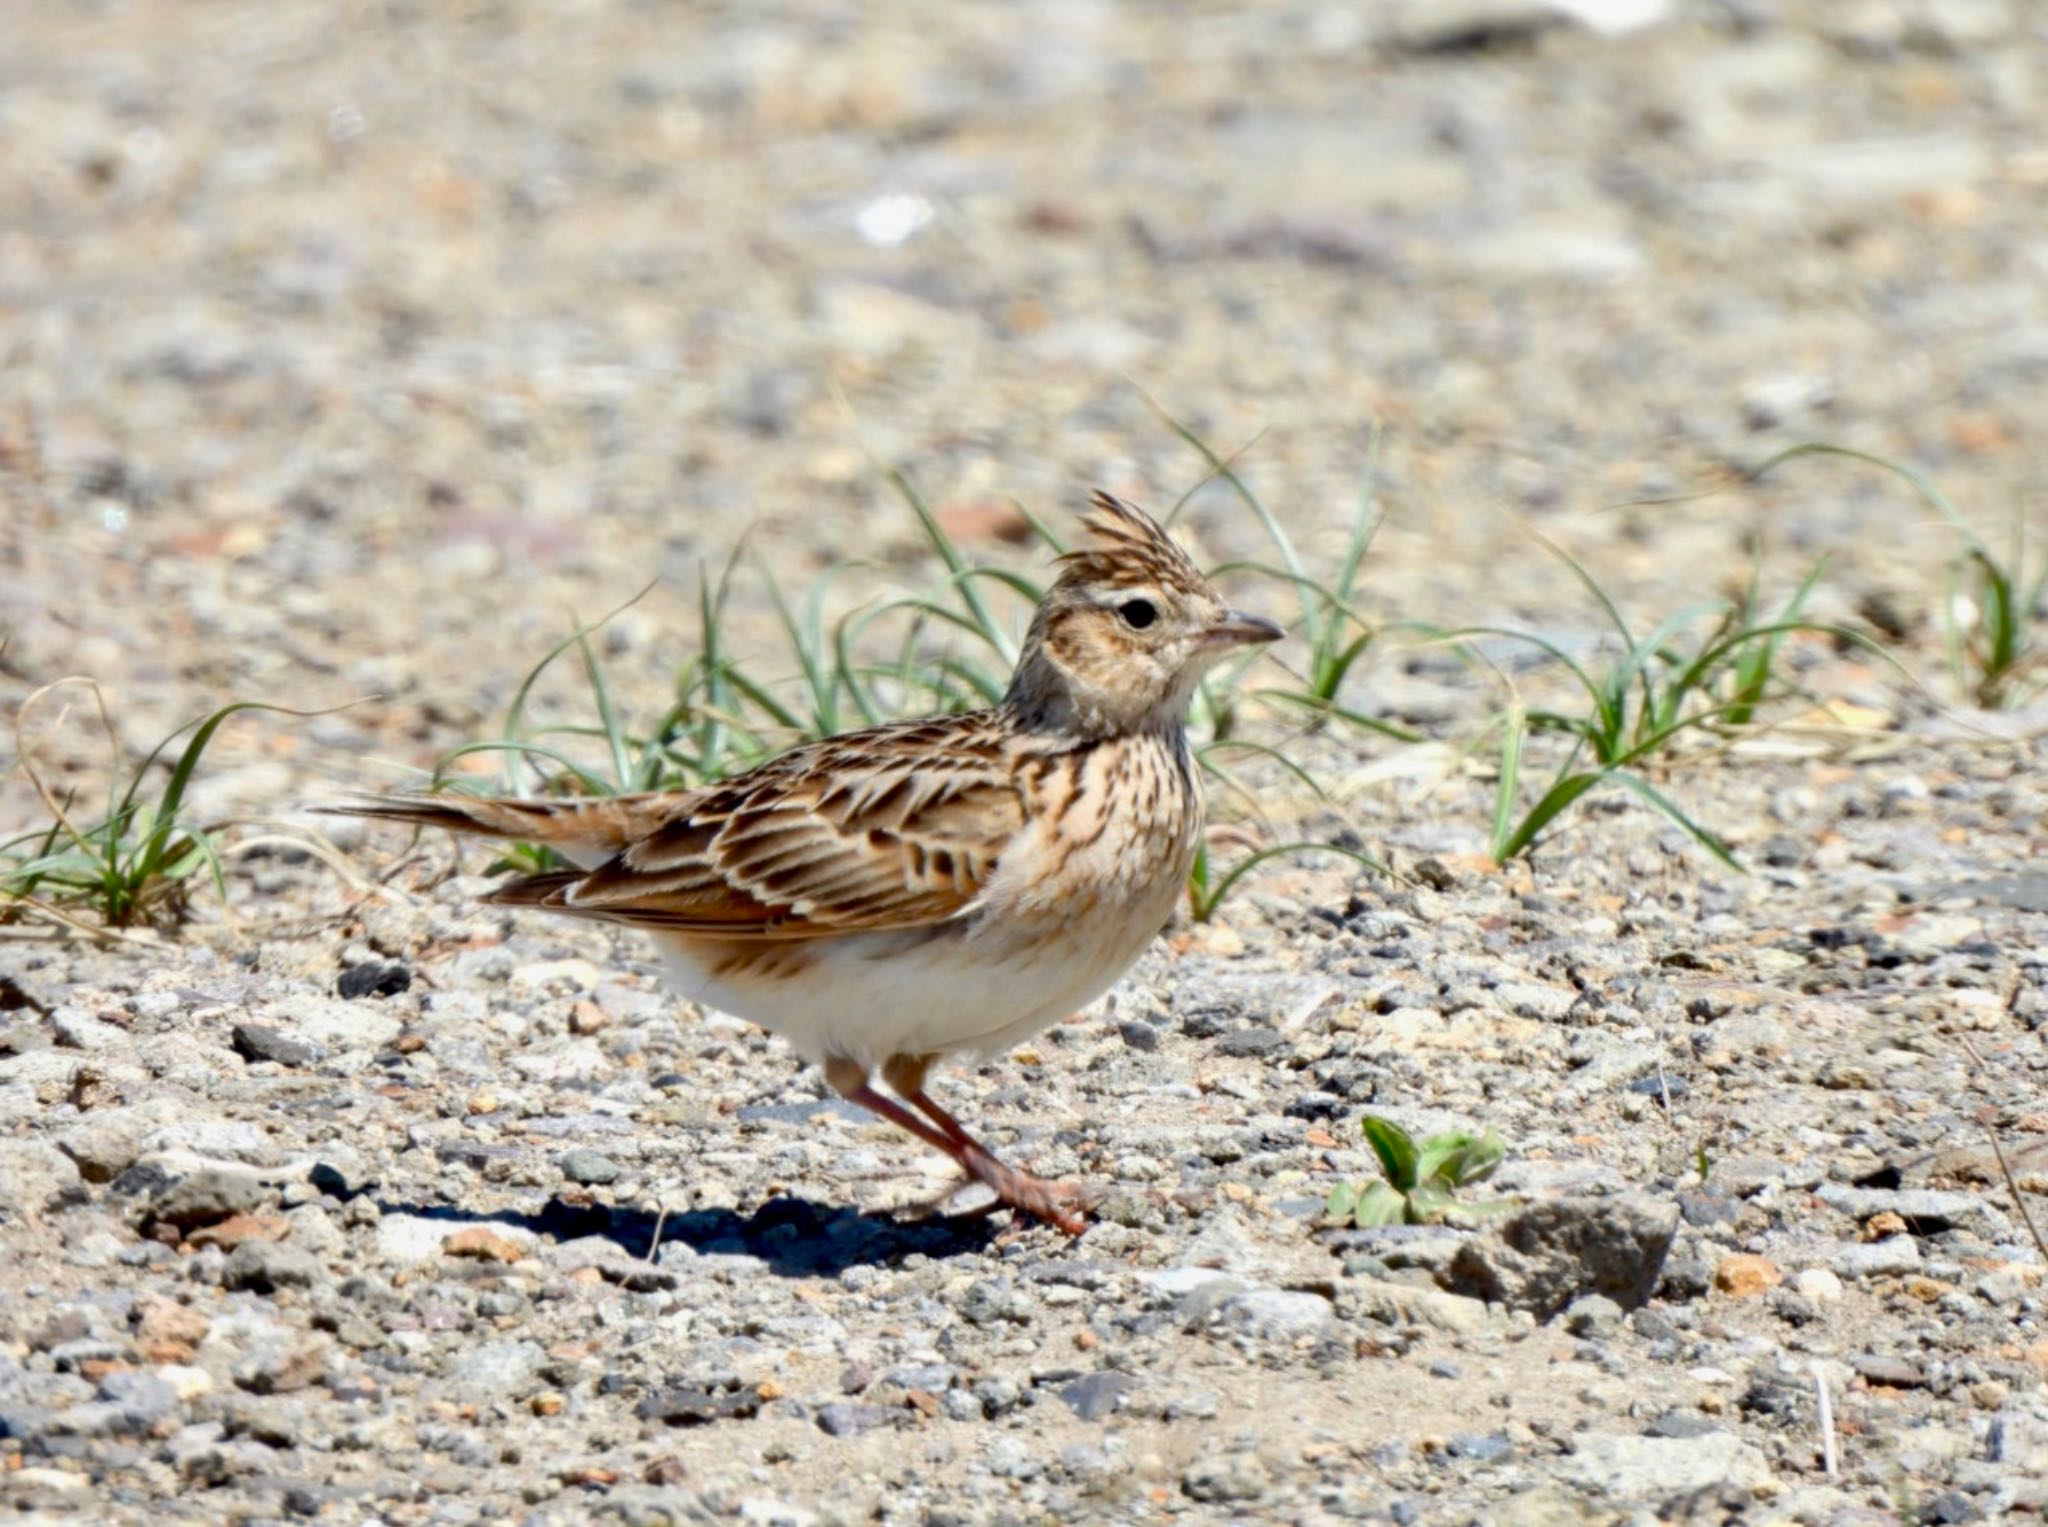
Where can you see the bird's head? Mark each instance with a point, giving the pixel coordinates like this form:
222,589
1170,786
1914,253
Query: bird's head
1121,638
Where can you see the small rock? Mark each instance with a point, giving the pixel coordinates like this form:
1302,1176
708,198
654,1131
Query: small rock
1139,1035
484,1244
1399,1304
1254,1043
263,1267
1489,1447
207,1197
1877,1259
237,1228
374,978
2018,1439
34,1176
1594,1316
1272,1314
1556,1249
589,1168
76,1029
1096,1395
698,1405
254,1042
1889,1372
849,1418
497,1370
143,1398
1746,1276
281,1369
1818,1285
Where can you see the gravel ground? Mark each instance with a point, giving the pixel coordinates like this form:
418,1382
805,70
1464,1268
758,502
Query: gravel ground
347,351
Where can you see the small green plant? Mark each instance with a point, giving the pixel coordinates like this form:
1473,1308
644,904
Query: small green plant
1422,1178
133,863
1708,668
1993,613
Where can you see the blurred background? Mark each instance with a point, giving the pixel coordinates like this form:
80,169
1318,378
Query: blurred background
352,348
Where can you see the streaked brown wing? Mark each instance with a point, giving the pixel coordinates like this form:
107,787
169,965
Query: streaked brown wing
894,828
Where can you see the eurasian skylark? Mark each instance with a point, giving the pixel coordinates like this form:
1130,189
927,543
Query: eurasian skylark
887,897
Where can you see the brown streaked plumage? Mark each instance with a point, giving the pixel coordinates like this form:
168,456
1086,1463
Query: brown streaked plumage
891,896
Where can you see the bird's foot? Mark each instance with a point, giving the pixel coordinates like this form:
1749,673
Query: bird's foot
1062,1205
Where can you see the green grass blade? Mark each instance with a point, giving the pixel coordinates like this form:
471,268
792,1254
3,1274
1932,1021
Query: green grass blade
1556,800
1250,862
1710,841
1508,786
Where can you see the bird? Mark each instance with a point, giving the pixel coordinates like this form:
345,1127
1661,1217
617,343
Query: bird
930,889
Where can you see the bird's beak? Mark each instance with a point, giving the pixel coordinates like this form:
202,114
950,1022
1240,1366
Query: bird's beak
1237,629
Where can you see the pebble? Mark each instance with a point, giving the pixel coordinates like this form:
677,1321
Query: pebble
496,1370
1746,1276
1818,1284
264,1267
849,1418
255,1042
207,1196
1096,1395
1876,1259
589,1168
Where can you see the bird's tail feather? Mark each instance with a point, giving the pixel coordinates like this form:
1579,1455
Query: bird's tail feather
587,831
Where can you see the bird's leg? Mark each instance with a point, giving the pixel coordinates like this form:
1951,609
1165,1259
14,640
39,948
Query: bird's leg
851,1082
1057,1204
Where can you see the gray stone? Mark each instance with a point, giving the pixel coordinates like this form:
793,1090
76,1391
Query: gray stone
1639,1469
2019,1440
107,1141
254,1042
1593,1315
849,1418
208,1196
1556,1250
989,1300
76,1029
141,1397
1274,1314
264,1267
589,1168
1481,1447
496,1369
1926,1211
1254,1043
33,1176
1096,1395
1401,1305
1893,1255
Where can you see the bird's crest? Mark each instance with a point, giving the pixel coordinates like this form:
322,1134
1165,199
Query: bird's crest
1127,546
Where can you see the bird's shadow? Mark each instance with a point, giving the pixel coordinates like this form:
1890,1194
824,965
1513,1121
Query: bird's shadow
795,1237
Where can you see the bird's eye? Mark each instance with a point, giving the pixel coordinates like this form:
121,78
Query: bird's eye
1137,613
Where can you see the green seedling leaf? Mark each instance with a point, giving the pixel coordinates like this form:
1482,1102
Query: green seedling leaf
1380,1204
1396,1149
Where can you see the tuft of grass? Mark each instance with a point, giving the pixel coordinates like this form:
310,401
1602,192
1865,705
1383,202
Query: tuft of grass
1993,614
1421,1178
1709,667
134,862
